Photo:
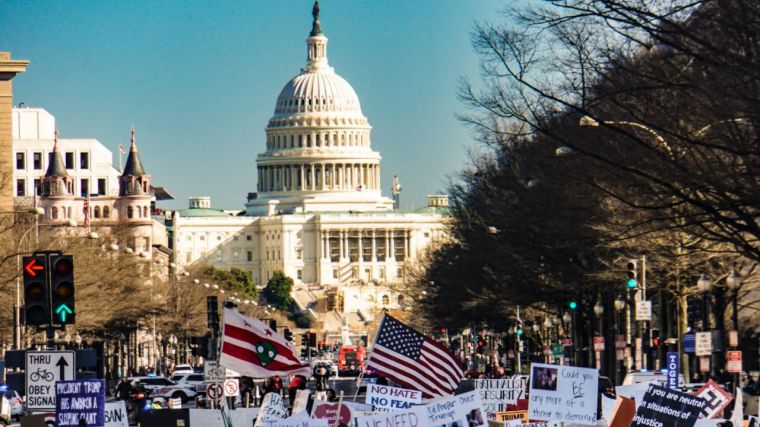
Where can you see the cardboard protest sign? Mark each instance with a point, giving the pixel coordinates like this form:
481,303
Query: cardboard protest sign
716,397
329,411
385,398
271,409
665,407
519,415
300,420
407,418
461,410
80,399
301,401
116,414
622,413
563,393
495,395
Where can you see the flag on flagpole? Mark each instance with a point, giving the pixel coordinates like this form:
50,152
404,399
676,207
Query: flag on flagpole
253,349
413,360
122,149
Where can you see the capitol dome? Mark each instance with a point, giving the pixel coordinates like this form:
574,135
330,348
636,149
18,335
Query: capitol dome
314,92
318,155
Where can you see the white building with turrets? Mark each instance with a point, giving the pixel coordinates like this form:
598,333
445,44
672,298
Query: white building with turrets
318,214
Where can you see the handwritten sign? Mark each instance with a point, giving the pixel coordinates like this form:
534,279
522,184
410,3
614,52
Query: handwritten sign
497,394
463,410
329,411
80,400
385,398
664,407
300,420
405,418
563,393
271,409
116,414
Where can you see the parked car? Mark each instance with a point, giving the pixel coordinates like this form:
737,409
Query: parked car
15,402
164,387
183,368
191,380
658,377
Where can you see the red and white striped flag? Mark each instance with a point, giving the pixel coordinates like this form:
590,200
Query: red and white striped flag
413,360
122,149
253,349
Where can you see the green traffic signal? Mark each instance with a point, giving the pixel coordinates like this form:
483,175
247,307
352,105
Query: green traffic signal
632,283
573,305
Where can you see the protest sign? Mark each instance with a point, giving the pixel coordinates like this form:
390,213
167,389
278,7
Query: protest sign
80,399
521,415
716,399
301,401
406,418
563,393
329,411
271,409
300,420
461,410
495,395
665,407
385,398
116,414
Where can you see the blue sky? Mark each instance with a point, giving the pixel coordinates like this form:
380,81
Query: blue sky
199,80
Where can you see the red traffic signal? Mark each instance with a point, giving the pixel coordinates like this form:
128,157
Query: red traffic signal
34,266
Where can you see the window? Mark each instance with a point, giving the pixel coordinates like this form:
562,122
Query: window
38,187
84,187
235,256
248,237
69,160
249,256
386,300
401,300
381,274
106,212
203,237
299,274
20,161
299,254
335,273
84,160
400,273
37,161
20,187
97,212
130,211
218,254
235,238
101,186
54,213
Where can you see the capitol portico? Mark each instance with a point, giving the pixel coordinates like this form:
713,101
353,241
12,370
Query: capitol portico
318,213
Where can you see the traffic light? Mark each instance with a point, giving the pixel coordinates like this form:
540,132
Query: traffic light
273,325
199,346
693,310
656,338
313,340
306,339
481,343
212,310
36,290
573,305
62,289
288,335
519,329
632,281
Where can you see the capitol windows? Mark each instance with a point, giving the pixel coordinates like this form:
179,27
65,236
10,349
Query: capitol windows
366,249
300,141
54,213
130,212
308,140
335,273
299,254
386,300
106,212
97,212
400,248
299,274
249,256
400,300
248,237
291,142
381,274
235,256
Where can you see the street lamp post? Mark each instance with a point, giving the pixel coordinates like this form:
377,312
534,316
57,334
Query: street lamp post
704,286
598,311
733,282
620,305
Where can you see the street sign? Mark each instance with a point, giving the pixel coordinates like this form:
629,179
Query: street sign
733,338
704,343
598,343
644,311
558,350
215,373
734,362
231,387
689,343
704,364
214,391
43,369
620,342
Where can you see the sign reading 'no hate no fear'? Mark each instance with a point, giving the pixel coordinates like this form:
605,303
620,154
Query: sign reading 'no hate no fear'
385,398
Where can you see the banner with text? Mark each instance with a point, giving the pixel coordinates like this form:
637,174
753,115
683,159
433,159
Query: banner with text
272,409
403,418
385,398
329,411
663,407
563,393
116,414
495,395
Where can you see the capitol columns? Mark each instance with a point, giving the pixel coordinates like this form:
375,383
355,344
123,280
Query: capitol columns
8,70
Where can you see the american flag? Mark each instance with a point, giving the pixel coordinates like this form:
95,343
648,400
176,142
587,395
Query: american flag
252,348
414,360
122,149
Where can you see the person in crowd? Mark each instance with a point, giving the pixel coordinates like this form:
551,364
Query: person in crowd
298,382
123,389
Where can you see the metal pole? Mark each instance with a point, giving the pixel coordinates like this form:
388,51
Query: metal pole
644,333
519,358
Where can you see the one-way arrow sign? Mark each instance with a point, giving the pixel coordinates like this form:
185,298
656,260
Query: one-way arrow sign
62,364
32,267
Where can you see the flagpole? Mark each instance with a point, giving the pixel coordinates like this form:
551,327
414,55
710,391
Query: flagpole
340,403
369,356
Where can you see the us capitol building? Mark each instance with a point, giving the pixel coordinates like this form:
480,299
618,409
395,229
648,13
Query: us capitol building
318,213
